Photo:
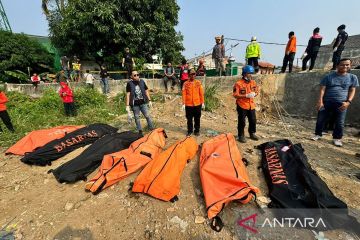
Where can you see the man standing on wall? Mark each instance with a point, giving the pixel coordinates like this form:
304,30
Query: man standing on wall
337,90
218,55
253,53
339,45
290,52
128,62
312,49
138,100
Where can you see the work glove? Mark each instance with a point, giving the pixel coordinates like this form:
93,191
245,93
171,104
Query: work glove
183,107
250,95
150,104
335,49
287,53
304,55
128,109
203,106
129,117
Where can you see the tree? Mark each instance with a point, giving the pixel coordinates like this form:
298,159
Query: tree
17,53
91,28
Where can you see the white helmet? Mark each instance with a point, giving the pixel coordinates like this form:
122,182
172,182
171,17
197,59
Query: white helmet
253,38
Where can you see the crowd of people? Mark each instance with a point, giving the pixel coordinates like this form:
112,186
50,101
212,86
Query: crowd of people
337,89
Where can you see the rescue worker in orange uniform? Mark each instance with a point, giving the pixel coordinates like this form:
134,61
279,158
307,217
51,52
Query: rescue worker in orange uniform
193,102
245,90
4,115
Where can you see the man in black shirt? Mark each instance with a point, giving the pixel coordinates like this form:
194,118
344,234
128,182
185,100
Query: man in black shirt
104,79
138,100
312,49
128,62
339,45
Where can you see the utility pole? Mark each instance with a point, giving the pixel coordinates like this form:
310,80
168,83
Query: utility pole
4,22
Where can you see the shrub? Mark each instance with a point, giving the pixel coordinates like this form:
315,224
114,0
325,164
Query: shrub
211,100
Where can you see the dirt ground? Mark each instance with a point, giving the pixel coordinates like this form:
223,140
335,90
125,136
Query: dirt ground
36,206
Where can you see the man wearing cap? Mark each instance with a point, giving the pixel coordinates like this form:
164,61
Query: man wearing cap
339,45
193,102
218,55
253,53
128,62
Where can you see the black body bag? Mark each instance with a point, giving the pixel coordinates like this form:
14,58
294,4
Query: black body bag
74,140
297,190
90,159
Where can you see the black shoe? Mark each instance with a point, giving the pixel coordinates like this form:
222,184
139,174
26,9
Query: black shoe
189,134
197,133
141,132
253,137
242,139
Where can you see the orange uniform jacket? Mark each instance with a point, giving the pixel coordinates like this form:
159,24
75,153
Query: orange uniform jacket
242,87
291,45
192,93
3,100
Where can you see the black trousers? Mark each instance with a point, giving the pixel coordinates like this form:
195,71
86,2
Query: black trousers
336,57
167,79
193,113
4,115
129,69
242,114
70,109
312,57
254,62
288,59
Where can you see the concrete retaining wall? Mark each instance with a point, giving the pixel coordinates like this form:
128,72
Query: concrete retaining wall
297,93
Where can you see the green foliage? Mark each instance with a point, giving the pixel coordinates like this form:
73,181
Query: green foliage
212,102
21,76
28,114
87,27
17,53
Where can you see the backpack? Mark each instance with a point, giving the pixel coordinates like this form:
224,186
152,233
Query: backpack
117,166
161,177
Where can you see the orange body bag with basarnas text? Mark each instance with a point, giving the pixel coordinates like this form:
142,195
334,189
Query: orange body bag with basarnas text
161,177
39,138
118,165
223,176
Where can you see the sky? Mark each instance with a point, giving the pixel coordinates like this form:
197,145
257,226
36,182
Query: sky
201,20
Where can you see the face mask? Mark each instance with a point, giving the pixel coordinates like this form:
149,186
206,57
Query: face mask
246,79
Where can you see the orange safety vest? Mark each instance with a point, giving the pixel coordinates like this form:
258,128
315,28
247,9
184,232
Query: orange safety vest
192,93
119,165
243,87
223,174
161,177
3,100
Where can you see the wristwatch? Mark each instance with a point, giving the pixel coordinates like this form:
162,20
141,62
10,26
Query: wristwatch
348,101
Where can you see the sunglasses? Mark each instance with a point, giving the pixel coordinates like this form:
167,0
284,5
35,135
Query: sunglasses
135,75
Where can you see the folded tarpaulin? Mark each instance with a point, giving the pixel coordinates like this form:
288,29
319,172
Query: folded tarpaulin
117,166
223,176
39,138
293,185
161,177
60,147
90,159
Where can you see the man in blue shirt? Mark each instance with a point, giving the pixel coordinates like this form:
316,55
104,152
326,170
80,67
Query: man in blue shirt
337,90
